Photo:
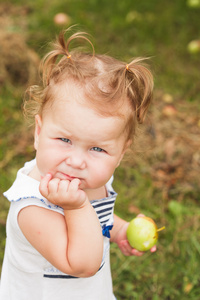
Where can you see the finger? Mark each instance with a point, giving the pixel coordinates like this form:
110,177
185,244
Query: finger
74,185
76,192
128,250
125,247
140,215
63,186
54,185
44,190
136,252
153,249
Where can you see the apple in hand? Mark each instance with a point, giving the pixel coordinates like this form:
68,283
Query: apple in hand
142,233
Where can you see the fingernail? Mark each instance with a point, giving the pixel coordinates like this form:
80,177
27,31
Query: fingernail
49,175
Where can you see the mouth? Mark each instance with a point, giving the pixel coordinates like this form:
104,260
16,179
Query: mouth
64,176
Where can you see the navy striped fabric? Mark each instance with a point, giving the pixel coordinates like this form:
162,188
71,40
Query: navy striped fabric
104,208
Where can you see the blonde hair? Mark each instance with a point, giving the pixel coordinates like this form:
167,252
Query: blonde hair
107,82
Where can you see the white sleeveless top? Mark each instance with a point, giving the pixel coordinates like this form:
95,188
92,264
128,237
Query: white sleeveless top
26,274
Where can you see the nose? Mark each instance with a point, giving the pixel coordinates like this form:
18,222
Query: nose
76,160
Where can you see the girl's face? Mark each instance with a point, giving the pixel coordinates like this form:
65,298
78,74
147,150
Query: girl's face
73,141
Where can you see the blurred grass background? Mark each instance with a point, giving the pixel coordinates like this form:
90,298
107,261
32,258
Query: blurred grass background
162,178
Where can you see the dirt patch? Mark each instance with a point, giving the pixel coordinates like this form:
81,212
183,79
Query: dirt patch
19,63
171,147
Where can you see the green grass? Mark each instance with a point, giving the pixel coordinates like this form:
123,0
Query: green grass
125,29
171,272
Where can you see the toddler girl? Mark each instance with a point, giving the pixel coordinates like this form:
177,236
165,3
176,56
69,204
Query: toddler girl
61,219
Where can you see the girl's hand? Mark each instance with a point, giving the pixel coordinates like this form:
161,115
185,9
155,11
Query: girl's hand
123,244
128,250
63,193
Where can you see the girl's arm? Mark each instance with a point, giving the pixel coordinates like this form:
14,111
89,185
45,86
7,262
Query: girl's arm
118,236
73,243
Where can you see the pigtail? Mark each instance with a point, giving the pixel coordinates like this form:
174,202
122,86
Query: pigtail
52,65
48,65
139,87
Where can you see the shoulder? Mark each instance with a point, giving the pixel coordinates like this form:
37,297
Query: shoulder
25,191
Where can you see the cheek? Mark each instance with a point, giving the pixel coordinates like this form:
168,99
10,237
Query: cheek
103,170
48,150
47,158
42,163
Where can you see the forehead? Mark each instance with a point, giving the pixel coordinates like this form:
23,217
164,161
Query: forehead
72,90
70,107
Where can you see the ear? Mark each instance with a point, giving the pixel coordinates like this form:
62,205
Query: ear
38,126
126,146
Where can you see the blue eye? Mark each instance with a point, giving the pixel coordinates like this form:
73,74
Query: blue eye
97,149
65,140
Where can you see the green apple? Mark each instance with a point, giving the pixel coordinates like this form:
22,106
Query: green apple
193,3
142,233
194,46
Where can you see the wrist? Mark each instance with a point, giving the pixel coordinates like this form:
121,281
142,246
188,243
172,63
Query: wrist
76,206
120,232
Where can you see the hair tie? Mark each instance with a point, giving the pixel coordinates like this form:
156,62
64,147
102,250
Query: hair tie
127,68
69,56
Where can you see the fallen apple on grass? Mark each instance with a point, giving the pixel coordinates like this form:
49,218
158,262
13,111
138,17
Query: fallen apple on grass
62,19
193,3
142,233
194,46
